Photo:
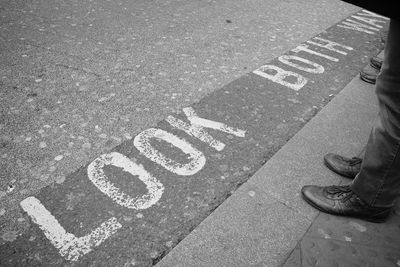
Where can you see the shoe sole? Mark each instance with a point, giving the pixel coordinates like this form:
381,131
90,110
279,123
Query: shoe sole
367,79
374,220
375,64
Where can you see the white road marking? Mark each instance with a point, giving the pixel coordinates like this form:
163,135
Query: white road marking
196,120
280,76
99,179
292,79
369,21
358,26
196,131
69,246
368,13
330,45
196,162
368,25
305,48
289,60
197,125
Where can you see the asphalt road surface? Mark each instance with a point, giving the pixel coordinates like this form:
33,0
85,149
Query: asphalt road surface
125,123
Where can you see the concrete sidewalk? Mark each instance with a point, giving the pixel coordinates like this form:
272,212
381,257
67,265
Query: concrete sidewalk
266,222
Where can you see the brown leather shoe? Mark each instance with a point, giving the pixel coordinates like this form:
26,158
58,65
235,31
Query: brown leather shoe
347,167
342,201
369,77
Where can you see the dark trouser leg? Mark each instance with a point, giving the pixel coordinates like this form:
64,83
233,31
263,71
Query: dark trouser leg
378,182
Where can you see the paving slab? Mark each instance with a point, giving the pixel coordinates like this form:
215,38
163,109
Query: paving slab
239,233
339,241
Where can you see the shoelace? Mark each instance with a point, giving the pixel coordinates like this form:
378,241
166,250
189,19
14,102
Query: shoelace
341,191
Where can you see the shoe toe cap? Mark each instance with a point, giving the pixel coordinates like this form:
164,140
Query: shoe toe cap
316,196
311,193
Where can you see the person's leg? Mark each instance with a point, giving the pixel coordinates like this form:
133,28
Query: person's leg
378,182
372,193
